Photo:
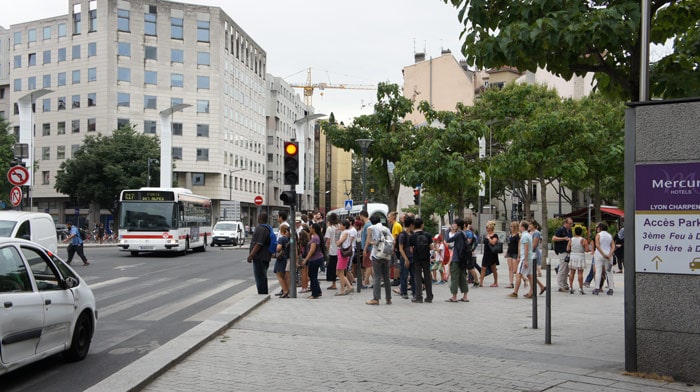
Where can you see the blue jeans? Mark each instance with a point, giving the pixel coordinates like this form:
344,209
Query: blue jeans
403,277
314,266
260,273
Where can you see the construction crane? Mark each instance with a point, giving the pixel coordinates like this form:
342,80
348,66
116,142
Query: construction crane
309,87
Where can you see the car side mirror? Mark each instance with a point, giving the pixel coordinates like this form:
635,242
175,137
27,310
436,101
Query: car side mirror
70,282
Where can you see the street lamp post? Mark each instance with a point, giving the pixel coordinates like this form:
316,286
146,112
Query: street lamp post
364,145
166,143
148,178
26,131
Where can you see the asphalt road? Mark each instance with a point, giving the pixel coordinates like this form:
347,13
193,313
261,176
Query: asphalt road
143,302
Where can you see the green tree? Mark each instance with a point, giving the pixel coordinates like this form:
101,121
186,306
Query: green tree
391,136
576,37
104,165
7,142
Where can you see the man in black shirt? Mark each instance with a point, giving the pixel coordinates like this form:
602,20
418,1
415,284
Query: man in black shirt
561,240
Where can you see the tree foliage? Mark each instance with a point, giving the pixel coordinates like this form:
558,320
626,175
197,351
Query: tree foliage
104,165
576,37
390,135
7,142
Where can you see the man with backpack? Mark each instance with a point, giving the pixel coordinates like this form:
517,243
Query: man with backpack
382,248
260,254
461,259
420,243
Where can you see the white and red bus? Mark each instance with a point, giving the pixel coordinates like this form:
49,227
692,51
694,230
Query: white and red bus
163,220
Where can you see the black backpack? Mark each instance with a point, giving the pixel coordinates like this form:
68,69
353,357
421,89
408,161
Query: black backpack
421,246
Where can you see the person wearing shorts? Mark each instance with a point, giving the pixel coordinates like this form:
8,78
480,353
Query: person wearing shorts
524,266
345,241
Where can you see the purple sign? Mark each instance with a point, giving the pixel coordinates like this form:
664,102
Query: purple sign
668,187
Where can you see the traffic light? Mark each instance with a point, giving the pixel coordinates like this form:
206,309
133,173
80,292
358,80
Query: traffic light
416,196
288,198
291,163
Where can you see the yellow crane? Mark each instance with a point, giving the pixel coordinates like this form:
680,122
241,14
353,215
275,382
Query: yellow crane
309,87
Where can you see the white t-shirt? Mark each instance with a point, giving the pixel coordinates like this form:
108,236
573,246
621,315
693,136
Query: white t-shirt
333,235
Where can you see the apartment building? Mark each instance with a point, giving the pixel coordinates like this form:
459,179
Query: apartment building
4,73
109,63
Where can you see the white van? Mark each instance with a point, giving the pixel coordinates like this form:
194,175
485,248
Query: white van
34,226
228,233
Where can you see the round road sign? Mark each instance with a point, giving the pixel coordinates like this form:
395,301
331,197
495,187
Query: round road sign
18,175
258,200
16,196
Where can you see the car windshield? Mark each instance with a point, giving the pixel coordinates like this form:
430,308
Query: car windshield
225,226
6,228
147,216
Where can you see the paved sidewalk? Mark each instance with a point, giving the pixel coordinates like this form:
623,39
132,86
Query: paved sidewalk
339,343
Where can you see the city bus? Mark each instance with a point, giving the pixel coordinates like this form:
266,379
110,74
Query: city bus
163,220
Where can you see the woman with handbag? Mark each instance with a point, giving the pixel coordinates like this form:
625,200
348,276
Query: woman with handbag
314,259
344,244
490,258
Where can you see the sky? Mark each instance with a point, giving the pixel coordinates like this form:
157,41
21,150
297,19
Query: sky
357,42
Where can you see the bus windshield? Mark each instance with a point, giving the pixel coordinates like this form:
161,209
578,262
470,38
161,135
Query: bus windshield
148,216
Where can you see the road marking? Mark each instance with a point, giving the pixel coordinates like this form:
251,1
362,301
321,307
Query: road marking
207,313
131,302
106,283
163,311
103,345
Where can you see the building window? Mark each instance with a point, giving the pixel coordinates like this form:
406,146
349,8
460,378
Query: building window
176,80
61,54
31,59
92,14
18,85
46,129
60,152
176,101
198,178
31,35
203,31
61,103
46,105
74,149
46,81
47,57
202,154
75,126
123,123
92,124
75,52
61,79
92,74
18,38
31,83
76,19
177,153
176,28
151,53
123,99
45,176
177,56
150,77
123,74
123,20
177,129
75,101
92,99
149,127
202,106
203,58
18,61
203,82
62,30
124,49
150,17
47,32
61,128
45,153
92,49
75,76
202,130
150,102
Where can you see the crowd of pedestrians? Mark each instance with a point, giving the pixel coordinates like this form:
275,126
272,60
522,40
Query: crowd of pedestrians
406,261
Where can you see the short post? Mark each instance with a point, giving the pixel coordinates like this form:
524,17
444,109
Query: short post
533,287
548,308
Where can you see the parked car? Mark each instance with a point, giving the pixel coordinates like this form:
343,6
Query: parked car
228,233
33,226
47,307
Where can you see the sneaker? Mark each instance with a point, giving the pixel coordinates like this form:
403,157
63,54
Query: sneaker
610,292
571,291
430,301
404,296
417,300
434,281
372,302
586,285
563,289
388,302
582,292
595,292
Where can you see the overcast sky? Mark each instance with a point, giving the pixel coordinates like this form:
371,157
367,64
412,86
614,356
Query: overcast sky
360,42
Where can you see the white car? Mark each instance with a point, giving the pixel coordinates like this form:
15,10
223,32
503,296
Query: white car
46,307
228,233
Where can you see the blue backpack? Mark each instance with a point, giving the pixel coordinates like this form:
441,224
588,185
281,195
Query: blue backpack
272,246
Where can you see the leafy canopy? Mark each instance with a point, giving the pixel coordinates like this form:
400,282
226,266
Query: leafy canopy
105,165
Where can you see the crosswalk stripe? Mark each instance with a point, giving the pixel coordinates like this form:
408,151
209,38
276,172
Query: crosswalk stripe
170,308
99,346
131,302
220,306
107,283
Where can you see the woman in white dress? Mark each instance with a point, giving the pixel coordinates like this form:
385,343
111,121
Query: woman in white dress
577,263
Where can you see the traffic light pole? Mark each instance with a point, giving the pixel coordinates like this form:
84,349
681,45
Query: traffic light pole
293,255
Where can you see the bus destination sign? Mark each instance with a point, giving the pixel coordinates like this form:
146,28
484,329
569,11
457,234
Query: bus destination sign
148,196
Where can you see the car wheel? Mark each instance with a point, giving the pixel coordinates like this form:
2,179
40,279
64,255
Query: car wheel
134,253
82,335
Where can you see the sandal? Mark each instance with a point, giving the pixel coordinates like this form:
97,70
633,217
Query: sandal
452,300
463,300
510,286
543,290
494,285
527,295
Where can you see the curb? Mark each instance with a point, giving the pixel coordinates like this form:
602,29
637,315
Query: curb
143,371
